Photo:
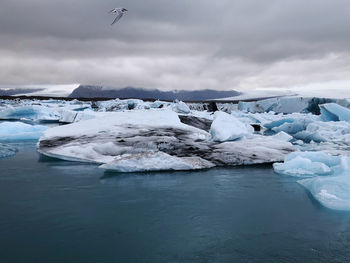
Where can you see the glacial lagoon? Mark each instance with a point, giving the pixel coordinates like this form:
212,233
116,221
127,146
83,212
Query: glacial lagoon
59,211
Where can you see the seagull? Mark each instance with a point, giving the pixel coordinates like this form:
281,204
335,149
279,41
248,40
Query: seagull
119,12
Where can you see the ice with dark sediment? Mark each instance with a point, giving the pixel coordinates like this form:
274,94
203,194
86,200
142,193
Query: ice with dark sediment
122,138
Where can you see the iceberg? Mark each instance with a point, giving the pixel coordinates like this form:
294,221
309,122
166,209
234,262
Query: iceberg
334,112
292,124
32,112
284,105
319,131
255,150
10,131
155,161
332,191
300,166
118,139
307,164
329,176
69,116
181,107
226,127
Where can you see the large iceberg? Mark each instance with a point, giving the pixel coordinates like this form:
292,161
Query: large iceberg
121,139
226,127
10,131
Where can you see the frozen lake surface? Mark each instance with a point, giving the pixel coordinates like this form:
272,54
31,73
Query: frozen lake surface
57,211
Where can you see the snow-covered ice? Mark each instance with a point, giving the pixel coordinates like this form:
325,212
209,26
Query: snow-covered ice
181,107
136,133
226,127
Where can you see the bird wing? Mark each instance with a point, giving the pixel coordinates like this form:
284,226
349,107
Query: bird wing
119,16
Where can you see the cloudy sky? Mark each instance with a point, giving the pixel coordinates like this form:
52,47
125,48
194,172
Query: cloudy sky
183,44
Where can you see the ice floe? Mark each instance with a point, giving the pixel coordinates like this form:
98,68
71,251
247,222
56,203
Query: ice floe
32,112
329,181
10,131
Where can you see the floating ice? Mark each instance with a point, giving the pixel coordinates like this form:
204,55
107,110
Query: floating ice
332,191
20,131
325,131
283,105
293,124
226,127
307,164
33,112
133,133
181,107
6,151
300,166
155,161
68,116
330,176
334,112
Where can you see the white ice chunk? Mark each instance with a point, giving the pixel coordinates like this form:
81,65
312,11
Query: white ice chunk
322,157
300,166
226,127
181,107
68,116
282,136
20,131
155,161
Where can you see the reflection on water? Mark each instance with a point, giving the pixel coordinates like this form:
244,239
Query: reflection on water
56,211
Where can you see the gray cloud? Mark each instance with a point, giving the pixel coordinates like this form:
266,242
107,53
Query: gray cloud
181,44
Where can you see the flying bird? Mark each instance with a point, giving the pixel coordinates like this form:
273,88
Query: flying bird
119,12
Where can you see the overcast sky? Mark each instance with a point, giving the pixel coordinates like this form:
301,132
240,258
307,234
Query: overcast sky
183,44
